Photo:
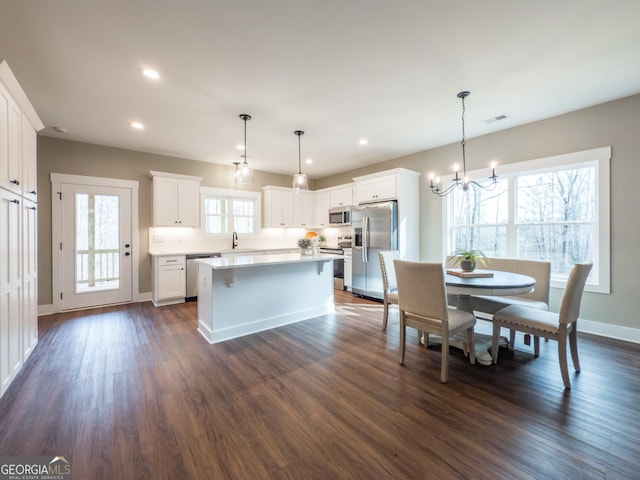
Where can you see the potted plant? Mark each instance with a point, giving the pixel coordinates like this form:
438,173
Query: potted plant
305,245
467,258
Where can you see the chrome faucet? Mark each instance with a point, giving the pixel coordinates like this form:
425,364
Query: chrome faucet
234,240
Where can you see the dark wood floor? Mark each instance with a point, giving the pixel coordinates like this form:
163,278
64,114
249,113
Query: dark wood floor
135,392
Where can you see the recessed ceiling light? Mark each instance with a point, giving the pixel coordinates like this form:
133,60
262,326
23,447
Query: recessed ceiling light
59,129
240,147
137,125
363,141
308,160
150,73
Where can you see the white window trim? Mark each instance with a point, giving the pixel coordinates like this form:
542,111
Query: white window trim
230,193
602,252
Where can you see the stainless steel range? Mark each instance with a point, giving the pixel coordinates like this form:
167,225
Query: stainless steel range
338,266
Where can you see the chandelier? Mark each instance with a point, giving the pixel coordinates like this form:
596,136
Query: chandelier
243,174
463,183
299,179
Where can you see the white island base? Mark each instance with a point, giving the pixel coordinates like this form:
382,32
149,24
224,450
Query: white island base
247,294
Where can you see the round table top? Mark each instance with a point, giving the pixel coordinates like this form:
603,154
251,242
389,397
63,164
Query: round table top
501,283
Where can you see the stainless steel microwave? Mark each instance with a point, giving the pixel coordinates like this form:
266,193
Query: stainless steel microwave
340,216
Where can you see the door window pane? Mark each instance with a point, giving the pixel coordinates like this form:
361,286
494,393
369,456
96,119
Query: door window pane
97,242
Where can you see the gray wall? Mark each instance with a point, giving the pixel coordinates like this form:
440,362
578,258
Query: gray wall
75,158
615,123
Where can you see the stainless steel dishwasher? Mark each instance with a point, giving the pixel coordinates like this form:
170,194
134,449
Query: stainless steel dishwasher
192,274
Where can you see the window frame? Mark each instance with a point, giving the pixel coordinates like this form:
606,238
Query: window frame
230,194
600,280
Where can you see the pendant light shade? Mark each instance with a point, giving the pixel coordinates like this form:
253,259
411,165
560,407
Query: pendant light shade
243,174
300,179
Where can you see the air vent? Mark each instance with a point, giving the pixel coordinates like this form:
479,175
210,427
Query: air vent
496,118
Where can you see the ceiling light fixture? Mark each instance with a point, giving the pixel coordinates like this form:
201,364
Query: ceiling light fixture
150,73
137,125
363,141
299,179
462,183
243,175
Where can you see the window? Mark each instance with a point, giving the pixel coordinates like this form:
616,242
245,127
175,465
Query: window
554,209
225,211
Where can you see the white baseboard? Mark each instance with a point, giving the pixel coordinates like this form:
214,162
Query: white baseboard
47,309
608,330
50,309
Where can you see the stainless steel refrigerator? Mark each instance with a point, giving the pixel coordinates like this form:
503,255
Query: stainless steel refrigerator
374,229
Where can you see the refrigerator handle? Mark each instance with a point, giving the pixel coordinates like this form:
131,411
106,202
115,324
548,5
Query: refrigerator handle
365,239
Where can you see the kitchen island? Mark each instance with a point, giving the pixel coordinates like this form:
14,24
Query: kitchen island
246,294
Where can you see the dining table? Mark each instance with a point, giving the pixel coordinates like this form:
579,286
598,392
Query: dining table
484,282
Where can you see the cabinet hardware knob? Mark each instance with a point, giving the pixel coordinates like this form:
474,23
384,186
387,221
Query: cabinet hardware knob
126,245
17,202
126,254
32,208
32,192
15,182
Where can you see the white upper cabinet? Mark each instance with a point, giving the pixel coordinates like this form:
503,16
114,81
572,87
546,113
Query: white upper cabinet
304,209
278,207
176,200
377,189
323,204
341,197
10,145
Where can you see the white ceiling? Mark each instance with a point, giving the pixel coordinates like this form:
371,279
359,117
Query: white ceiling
340,70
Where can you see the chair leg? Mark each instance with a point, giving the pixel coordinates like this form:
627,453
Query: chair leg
403,334
512,339
472,346
444,366
573,345
494,342
536,346
562,356
385,315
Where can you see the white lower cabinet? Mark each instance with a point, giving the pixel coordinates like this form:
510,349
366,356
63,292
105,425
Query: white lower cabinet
169,279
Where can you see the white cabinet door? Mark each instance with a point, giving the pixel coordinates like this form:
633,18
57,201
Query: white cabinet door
176,202
323,204
188,203
10,288
172,282
165,202
341,197
376,190
10,147
29,278
278,207
303,209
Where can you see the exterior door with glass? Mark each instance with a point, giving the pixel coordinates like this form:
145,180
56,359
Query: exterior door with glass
96,246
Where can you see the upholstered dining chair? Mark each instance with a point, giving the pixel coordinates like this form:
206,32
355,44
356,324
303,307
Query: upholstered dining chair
557,326
422,301
389,283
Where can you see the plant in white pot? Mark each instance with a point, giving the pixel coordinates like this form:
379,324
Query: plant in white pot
467,258
306,246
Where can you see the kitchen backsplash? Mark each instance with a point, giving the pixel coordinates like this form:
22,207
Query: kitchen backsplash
192,240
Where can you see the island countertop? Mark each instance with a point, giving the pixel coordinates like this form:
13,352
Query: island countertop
242,261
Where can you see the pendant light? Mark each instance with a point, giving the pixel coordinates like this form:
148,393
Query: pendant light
462,183
243,174
299,179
